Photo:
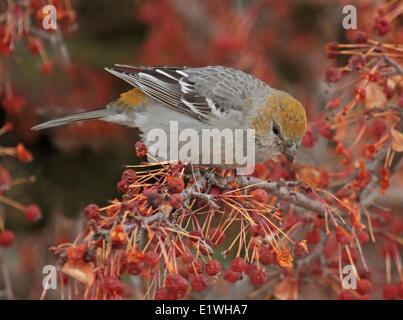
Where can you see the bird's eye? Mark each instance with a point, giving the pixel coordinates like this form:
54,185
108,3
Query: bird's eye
276,130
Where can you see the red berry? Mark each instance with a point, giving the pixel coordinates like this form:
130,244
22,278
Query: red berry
76,253
176,200
135,268
309,140
400,101
187,257
266,256
334,103
199,282
231,275
23,154
176,284
141,149
300,249
216,235
114,286
333,74
195,236
47,67
35,45
363,286
151,258
331,49
360,94
122,186
399,289
5,182
389,292
312,237
346,295
175,184
238,264
213,267
260,195
257,277
91,211
154,199
256,230
250,268
342,236
363,237
195,267
382,26
7,238
164,294
377,128
356,62
32,213
130,176
353,253
361,37
14,104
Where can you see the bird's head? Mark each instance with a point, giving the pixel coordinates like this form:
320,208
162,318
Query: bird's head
280,124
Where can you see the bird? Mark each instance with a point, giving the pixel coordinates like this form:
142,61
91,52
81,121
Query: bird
200,99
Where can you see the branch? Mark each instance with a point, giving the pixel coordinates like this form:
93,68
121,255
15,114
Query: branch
283,192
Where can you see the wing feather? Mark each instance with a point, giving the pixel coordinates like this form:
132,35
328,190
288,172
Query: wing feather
172,86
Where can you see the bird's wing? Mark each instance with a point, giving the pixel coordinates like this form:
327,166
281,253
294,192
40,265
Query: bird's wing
198,92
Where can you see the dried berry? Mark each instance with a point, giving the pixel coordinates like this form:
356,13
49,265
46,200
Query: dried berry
195,267
176,200
199,282
361,37
176,284
151,258
176,185
342,236
114,286
164,294
213,267
91,211
141,149
129,175
154,199
231,275
266,256
257,277
333,74
238,264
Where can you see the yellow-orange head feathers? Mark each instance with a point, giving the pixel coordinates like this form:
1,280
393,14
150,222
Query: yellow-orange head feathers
282,120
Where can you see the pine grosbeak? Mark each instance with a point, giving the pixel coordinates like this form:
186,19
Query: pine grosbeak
203,98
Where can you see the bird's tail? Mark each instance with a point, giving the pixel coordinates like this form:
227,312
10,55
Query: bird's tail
89,115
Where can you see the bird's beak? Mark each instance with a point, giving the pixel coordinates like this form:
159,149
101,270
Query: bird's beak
290,151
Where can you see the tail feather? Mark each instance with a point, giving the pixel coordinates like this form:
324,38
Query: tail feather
89,115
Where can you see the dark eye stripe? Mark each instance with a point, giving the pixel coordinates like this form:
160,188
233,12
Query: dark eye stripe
275,129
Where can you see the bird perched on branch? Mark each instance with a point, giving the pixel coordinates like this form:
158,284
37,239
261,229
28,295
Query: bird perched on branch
212,97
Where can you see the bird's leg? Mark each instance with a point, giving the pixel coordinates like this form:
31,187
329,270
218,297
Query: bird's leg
212,180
